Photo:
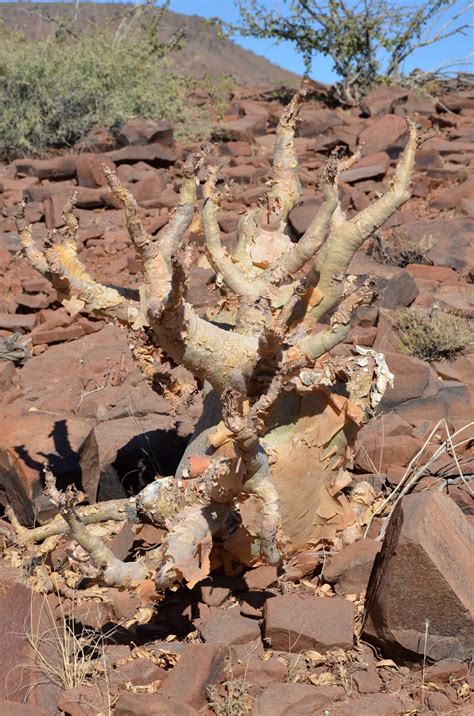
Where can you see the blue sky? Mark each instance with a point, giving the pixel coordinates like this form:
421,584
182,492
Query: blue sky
284,54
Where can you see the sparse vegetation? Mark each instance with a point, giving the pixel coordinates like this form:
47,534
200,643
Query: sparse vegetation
367,41
64,654
402,251
235,701
439,336
53,91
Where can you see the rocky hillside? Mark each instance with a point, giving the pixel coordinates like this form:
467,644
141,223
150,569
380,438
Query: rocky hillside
204,51
383,626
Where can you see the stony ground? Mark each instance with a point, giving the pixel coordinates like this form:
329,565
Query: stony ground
330,633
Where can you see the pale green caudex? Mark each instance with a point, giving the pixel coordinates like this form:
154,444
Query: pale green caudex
274,349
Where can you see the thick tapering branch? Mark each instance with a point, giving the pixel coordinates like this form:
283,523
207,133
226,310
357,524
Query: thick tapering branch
314,346
117,510
348,237
171,235
141,239
234,278
60,264
111,571
36,257
186,548
286,189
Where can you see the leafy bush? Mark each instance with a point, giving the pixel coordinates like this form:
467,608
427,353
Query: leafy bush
53,91
367,41
440,336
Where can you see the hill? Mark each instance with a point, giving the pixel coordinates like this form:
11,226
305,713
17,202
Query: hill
205,52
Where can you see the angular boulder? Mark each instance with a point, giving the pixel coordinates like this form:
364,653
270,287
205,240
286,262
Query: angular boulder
420,598
296,622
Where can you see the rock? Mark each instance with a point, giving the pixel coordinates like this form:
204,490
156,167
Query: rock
23,612
155,154
228,627
130,704
120,453
452,238
444,671
17,321
258,672
400,290
439,702
89,171
452,198
83,701
285,699
261,577
42,335
295,623
350,568
454,401
140,132
140,672
459,301
246,128
199,666
313,122
382,99
13,708
367,680
148,190
52,169
381,456
376,704
383,134
214,596
371,167
29,441
412,378
420,592
302,215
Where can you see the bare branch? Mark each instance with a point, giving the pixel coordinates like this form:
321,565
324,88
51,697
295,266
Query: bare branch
349,236
238,282
286,190
314,346
111,571
60,264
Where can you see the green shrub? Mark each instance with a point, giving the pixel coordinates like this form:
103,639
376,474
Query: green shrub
440,336
53,91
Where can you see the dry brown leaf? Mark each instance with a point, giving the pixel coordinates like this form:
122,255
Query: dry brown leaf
219,436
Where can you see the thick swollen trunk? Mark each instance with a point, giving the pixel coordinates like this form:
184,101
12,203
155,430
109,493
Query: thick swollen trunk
308,441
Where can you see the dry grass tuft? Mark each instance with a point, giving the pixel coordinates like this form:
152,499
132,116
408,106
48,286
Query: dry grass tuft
234,702
440,336
65,656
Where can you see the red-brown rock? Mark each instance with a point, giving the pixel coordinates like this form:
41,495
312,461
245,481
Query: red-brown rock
295,622
227,626
420,591
350,568
155,154
376,704
130,704
285,699
199,666
23,613
56,168
145,131
384,133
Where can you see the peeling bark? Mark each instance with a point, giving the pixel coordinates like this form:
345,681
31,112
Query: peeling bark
274,404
